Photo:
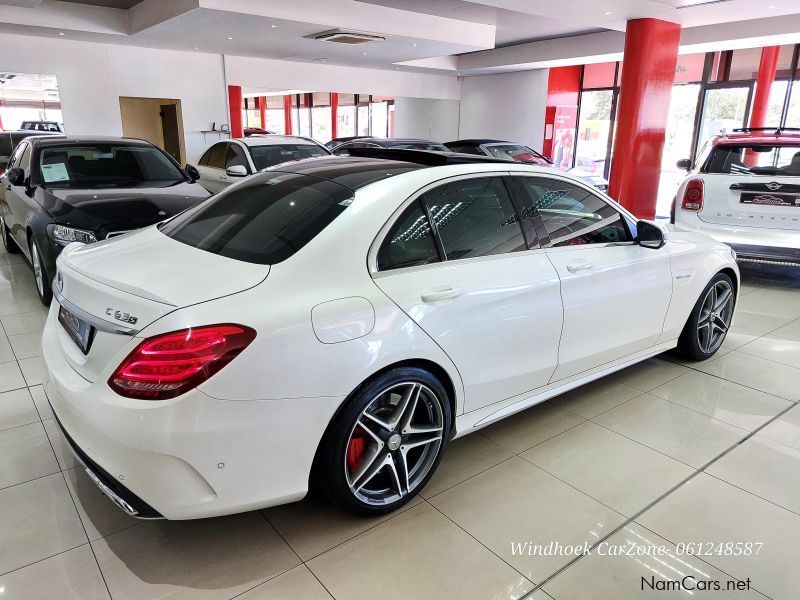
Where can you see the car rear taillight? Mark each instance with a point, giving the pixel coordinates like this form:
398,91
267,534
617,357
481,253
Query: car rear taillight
168,365
693,195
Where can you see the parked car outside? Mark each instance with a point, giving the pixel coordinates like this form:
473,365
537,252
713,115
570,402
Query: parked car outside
399,143
744,190
48,126
520,153
227,161
248,131
341,140
10,140
337,321
58,190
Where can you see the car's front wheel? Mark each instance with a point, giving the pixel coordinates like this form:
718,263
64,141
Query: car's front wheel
8,243
709,321
40,273
386,443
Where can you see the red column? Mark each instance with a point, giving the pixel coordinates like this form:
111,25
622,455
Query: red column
287,115
235,106
648,72
766,75
262,111
334,115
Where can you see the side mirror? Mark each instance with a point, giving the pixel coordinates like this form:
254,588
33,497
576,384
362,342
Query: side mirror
650,235
194,174
15,176
684,164
236,171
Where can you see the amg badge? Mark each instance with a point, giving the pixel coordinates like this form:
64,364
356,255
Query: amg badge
122,316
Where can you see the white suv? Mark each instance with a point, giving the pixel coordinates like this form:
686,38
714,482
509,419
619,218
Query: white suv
744,190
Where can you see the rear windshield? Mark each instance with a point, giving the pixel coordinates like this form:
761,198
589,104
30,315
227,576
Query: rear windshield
754,160
518,153
421,146
264,221
106,166
6,147
267,156
41,126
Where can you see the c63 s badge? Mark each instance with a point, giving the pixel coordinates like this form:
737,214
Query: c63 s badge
122,316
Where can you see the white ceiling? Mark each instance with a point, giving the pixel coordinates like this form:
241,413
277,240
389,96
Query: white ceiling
433,36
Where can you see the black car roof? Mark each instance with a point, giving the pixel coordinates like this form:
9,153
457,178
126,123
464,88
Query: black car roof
30,132
349,171
76,140
477,142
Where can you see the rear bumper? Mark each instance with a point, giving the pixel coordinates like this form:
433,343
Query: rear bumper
189,457
752,244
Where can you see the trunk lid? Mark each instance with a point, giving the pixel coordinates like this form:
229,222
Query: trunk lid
752,201
123,285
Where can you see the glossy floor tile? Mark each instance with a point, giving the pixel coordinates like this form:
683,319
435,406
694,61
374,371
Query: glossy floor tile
709,510
647,473
418,554
729,402
527,505
573,470
681,433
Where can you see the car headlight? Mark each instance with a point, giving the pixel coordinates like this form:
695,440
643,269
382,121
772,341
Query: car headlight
61,234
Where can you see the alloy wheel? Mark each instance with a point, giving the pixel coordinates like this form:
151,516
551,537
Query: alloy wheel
394,443
37,268
716,313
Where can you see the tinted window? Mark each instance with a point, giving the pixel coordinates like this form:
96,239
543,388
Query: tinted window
105,165
217,157
572,215
25,159
467,150
267,156
518,153
475,217
236,157
205,158
420,146
264,221
754,160
409,242
14,160
5,147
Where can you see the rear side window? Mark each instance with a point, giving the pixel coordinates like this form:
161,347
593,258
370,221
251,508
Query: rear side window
475,217
236,157
263,222
754,160
217,157
409,242
6,147
274,154
572,215
467,150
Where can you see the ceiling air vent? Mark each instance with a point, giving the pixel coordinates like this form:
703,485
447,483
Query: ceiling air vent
341,36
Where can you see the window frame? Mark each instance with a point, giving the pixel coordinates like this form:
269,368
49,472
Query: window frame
532,245
544,237
225,145
240,149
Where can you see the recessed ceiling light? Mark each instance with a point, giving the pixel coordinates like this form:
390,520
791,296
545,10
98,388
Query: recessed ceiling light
273,26
61,33
196,47
230,38
608,12
770,7
363,54
414,44
397,68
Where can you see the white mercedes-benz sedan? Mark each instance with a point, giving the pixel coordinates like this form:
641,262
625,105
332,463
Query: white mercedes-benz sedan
334,322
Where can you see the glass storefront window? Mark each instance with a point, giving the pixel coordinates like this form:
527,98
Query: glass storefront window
793,114
594,125
379,115
275,116
777,96
304,116
690,68
677,143
363,115
321,117
346,116
724,109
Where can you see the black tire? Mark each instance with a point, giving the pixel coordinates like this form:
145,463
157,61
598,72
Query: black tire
8,243
41,277
692,343
332,467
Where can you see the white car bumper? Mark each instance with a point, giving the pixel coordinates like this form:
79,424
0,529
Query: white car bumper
750,243
189,457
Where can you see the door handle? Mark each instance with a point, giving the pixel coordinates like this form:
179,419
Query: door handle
438,294
579,265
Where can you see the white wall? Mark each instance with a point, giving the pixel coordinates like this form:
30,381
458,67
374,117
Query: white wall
509,107
92,77
426,119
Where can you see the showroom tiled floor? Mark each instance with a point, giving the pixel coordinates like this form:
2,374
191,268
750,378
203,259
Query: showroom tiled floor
660,453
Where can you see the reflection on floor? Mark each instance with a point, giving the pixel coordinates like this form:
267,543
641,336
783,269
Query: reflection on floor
661,454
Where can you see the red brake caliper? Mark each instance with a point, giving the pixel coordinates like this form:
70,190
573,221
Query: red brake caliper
356,449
